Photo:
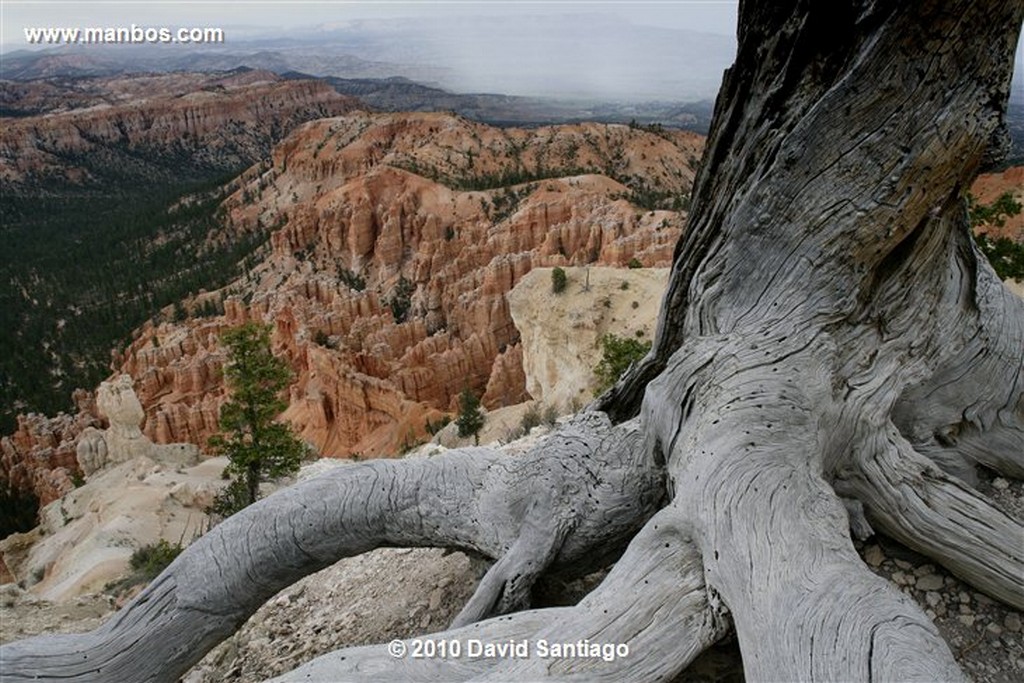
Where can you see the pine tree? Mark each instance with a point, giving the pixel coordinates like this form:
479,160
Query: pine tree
471,419
257,447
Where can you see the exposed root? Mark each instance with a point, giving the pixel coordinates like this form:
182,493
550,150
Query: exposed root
653,603
506,586
971,409
746,451
910,499
574,499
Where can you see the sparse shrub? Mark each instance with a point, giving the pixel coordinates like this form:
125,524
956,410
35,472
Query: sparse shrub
634,263
146,564
410,442
229,499
149,560
550,416
617,354
434,427
1005,255
558,280
996,213
320,338
354,281
401,299
624,286
531,418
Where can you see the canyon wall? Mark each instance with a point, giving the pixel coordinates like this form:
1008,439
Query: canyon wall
399,237
84,129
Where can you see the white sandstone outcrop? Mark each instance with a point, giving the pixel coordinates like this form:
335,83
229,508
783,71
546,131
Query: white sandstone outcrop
124,440
560,333
136,493
86,539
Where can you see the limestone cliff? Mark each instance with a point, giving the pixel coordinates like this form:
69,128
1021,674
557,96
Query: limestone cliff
40,456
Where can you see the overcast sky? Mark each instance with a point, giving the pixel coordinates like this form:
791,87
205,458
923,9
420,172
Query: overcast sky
247,16
243,20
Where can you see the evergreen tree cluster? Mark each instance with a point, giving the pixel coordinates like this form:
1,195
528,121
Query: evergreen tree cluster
80,270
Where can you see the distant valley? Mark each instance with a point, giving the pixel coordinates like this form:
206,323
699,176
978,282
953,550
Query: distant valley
109,209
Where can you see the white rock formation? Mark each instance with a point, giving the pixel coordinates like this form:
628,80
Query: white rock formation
124,440
561,332
86,538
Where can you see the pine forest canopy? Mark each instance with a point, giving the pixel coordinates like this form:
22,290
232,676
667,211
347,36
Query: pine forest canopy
831,349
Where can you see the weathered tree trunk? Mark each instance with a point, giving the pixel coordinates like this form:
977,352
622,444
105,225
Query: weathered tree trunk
829,330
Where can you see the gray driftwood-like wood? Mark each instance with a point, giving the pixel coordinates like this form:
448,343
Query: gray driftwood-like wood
831,340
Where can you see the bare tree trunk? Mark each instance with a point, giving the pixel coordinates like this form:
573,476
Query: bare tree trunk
829,330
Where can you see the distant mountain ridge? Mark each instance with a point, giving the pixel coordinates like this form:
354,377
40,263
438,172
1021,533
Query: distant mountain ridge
400,94
577,56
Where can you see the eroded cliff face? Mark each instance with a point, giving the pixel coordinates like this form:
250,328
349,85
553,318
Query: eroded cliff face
220,121
399,237
40,455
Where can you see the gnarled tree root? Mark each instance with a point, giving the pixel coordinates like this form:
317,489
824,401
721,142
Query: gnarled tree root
912,500
601,489
653,602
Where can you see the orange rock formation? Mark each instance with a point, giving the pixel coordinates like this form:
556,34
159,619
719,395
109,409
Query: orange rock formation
457,210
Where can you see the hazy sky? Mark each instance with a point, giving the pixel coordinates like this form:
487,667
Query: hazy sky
570,50
246,16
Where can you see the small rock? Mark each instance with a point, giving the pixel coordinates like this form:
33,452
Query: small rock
873,555
1000,483
994,628
966,619
929,582
899,578
964,598
903,564
924,569
1012,622
931,597
435,599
